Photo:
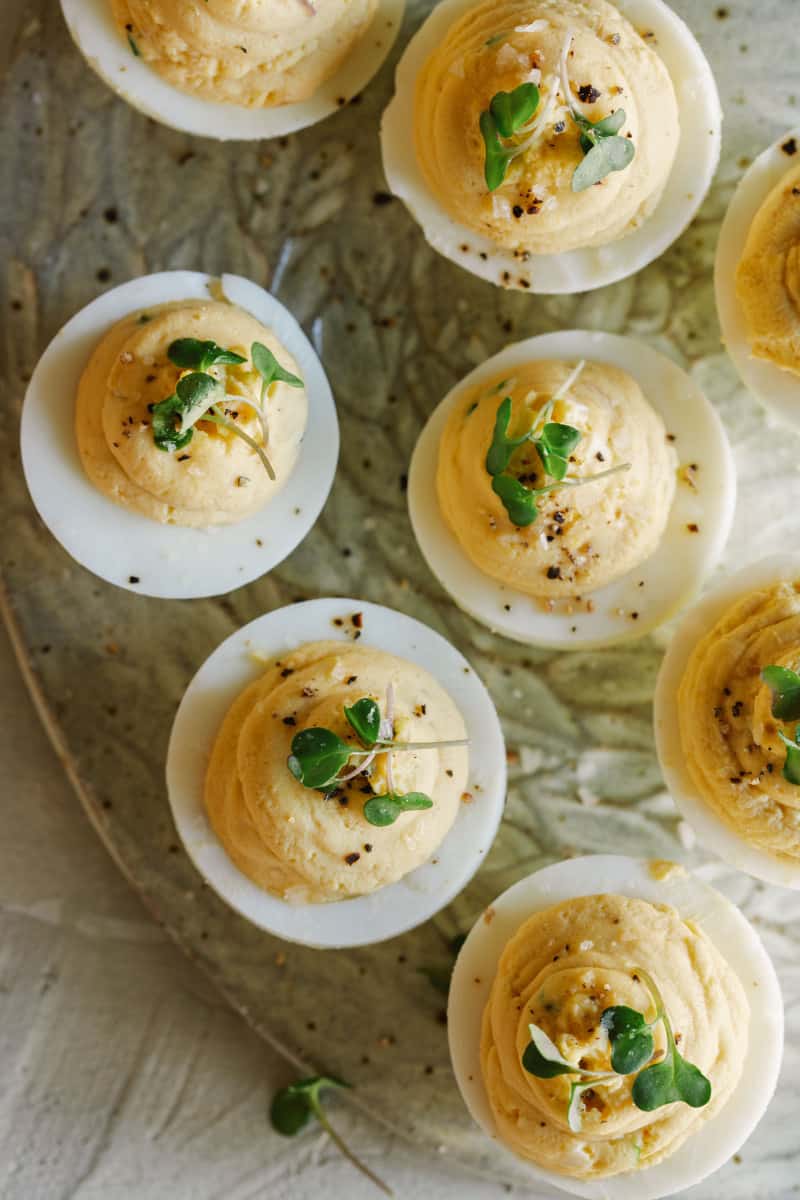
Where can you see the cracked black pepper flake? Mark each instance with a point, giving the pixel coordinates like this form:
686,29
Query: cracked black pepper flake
289,720
789,146
352,858
588,94
554,572
133,579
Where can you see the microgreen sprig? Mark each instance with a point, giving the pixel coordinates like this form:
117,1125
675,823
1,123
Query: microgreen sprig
294,1106
319,757
630,1035
785,687
554,442
384,810
505,118
200,396
604,151
270,369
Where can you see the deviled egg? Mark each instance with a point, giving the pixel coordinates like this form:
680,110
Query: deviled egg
330,789
757,277
573,490
726,710
552,145
167,407
227,70
617,1024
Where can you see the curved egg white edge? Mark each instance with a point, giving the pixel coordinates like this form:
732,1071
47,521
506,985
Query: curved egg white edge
670,579
712,832
713,1144
94,32
592,267
115,543
397,907
775,387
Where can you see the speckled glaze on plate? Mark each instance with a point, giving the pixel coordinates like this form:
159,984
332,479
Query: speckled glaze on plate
93,194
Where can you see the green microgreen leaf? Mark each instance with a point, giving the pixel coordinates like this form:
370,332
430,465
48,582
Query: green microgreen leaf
164,420
610,154
506,116
519,501
592,132
135,49
197,393
174,417
317,757
631,1038
270,369
293,1107
191,354
384,810
554,447
785,687
365,719
611,124
791,766
496,156
669,1081
543,1058
512,110
502,448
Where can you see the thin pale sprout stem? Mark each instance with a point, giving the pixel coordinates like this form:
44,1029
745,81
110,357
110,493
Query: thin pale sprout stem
385,747
344,1149
389,728
573,483
220,419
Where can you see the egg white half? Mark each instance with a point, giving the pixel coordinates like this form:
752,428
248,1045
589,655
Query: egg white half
775,387
95,33
712,832
655,589
714,1143
399,906
120,545
575,270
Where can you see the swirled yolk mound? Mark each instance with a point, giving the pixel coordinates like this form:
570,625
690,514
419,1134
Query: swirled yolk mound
583,537
728,734
585,57
217,478
768,275
256,54
562,968
303,845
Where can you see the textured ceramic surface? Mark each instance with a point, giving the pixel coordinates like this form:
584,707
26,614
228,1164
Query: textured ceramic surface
92,194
